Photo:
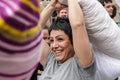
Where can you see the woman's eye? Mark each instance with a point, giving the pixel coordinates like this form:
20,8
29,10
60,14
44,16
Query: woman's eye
60,39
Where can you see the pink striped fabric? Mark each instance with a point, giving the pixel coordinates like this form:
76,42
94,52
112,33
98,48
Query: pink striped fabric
20,38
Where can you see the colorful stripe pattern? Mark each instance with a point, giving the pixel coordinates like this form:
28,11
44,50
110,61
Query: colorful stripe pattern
20,38
19,19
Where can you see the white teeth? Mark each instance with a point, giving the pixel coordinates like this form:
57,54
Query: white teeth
57,51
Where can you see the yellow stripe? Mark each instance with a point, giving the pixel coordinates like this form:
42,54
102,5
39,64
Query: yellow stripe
30,4
15,32
17,39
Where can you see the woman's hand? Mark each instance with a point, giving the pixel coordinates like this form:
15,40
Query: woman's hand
48,10
55,4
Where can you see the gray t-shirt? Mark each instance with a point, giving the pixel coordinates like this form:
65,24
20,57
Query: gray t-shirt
69,70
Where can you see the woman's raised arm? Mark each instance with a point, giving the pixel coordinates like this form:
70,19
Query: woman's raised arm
45,15
48,10
80,37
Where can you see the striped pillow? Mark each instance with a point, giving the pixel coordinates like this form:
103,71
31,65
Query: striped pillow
20,38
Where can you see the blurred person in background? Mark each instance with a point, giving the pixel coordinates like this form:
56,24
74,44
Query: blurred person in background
46,34
107,4
62,12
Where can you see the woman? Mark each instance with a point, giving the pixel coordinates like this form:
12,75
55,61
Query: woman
102,43
65,62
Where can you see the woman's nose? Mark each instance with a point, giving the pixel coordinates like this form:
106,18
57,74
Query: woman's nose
54,45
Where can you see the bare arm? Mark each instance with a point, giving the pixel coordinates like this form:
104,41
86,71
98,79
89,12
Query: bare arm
45,15
48,10
80,37
45,51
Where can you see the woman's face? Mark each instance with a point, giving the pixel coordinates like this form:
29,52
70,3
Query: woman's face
61,45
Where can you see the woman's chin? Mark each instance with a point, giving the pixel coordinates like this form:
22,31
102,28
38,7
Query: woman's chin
59,59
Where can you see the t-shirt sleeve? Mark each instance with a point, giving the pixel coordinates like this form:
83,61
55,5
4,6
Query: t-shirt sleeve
49,58
89,71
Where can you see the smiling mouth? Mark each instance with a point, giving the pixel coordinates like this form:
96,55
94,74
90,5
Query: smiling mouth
57,53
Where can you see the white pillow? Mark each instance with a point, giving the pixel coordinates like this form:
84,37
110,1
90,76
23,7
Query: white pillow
63,2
